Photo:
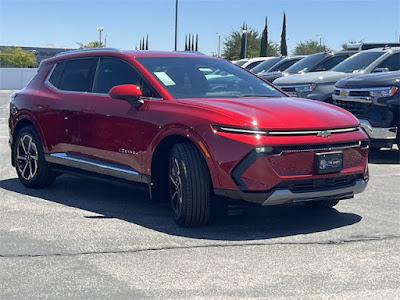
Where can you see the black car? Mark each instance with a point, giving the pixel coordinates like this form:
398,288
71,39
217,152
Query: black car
266,65
375,100
276,70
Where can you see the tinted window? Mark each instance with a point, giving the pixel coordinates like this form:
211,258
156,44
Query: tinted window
357,62
56,75
265,65
331,62
182,77
77,75
306,63
241,62
112,72
283,65
252,65
392,63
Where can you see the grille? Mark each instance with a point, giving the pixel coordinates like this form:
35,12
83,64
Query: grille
310,185
359,93
354,107
323,147
289,89
337,92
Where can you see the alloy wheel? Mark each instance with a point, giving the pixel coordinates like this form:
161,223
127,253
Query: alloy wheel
27,157
175,186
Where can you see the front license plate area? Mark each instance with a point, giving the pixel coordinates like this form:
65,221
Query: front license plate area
328,162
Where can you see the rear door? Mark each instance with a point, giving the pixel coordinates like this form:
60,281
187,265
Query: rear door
71,81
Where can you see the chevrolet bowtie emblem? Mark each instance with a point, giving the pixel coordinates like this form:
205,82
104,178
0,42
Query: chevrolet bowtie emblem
324,133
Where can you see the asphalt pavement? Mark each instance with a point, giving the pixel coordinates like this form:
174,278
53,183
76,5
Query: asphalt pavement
86,239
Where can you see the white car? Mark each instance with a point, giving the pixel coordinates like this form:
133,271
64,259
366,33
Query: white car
250,63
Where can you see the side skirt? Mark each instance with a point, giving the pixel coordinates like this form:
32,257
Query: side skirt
81,163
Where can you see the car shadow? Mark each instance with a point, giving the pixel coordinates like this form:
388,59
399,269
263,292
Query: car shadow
110,200
384,156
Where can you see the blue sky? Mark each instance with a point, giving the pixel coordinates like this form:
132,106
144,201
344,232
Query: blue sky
125,22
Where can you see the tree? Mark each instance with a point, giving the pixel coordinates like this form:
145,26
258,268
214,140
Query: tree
232,45
309,47
283,37
17,58
92,44
264,40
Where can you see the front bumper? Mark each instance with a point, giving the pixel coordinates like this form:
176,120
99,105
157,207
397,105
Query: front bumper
281,196
379,133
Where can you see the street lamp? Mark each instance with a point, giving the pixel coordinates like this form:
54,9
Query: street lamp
100,29
245,32
219,45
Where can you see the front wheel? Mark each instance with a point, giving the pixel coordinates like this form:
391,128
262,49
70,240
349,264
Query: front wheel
32,169
189,186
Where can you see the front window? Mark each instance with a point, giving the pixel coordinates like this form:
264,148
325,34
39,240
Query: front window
206,77
306,63
357,62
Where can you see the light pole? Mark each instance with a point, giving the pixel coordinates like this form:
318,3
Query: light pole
245,32
176,25
105,41
320,39
219,45
100,29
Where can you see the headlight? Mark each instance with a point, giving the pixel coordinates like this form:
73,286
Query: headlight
383,92
254,131
305,88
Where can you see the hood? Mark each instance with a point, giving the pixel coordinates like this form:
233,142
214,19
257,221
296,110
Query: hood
270,76
276,113
312,77
370,80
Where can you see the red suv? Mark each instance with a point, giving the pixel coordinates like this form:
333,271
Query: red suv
193,128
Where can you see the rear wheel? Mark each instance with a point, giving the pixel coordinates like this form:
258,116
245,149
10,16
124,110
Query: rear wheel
322,204
32,169
189,186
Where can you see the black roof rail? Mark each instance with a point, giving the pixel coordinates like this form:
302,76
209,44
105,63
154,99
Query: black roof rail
86,50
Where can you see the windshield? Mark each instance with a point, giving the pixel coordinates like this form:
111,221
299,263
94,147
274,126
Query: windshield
357,62
306,63
184,77
264,66
283,64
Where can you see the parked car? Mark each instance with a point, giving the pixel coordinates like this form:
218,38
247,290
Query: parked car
240,62
252,62
266,65
375,100
319,85
321,61
152,118
277,70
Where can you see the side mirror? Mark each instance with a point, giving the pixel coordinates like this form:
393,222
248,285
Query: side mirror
379,70
127,92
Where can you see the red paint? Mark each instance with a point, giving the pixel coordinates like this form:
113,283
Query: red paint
98,126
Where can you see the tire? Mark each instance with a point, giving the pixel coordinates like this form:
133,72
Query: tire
322,204
32,169
189,186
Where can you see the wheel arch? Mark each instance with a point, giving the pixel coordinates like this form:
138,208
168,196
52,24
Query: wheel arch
162,149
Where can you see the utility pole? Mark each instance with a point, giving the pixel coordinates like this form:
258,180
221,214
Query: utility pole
176,25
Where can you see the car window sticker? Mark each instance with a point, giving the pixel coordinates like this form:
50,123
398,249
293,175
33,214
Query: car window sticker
165,79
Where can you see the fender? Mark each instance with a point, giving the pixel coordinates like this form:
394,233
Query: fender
189,134
25,115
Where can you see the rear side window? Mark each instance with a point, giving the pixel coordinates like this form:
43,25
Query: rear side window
112,72
74,75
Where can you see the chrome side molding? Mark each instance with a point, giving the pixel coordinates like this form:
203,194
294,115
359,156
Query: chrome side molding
95,166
